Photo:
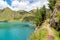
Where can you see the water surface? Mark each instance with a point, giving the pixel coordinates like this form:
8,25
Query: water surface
15,30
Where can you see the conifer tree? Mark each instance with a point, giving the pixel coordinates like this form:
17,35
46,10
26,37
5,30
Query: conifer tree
40,16
52,4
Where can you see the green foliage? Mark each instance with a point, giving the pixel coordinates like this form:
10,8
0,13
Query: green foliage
39,35
40,15
43,13
10,15
17,16
56,34
48,14
58,20
58,16
52,4
28,18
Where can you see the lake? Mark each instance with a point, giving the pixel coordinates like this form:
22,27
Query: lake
15,30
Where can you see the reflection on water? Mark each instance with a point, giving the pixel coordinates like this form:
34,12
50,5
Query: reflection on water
15,31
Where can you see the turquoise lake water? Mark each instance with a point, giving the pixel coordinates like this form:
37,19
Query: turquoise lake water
15,30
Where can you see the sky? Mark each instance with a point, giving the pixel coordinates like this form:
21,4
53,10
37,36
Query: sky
26,5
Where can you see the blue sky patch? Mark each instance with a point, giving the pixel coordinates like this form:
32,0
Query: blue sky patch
8,1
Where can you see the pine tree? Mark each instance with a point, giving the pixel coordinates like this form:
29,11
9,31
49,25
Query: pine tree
52,4
40,16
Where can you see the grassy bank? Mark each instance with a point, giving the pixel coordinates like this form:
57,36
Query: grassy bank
56,34
39,35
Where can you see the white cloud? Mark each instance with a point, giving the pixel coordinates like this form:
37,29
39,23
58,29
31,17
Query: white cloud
19,5
3,4
23,4
33,6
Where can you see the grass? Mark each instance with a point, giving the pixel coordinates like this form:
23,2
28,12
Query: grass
56,34
42,33
39,35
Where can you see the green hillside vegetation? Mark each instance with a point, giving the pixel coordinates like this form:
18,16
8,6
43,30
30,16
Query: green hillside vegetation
47,19
15,16
39,35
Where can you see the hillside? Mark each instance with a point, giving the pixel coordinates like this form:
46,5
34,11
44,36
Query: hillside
48,23
13,16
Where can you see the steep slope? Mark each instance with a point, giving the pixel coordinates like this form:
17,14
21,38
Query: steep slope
55,17
48,33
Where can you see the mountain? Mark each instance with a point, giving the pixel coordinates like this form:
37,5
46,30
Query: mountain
8,15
